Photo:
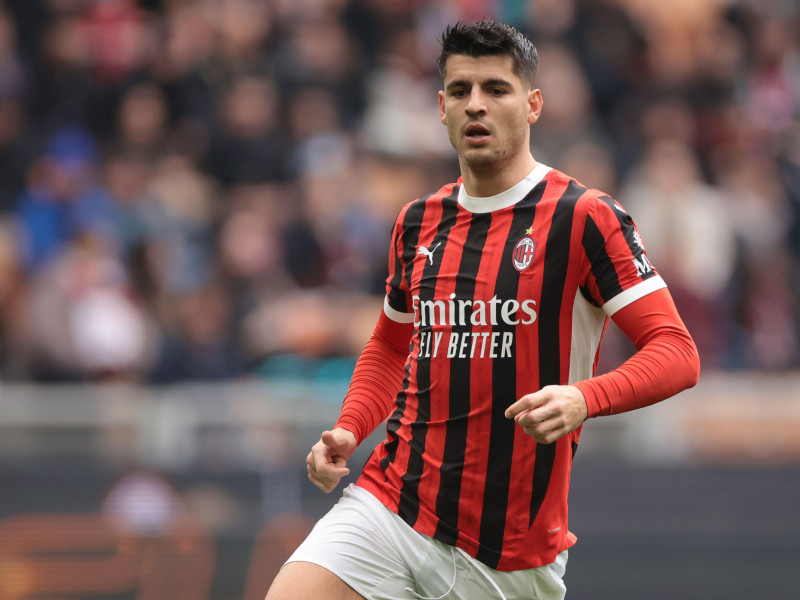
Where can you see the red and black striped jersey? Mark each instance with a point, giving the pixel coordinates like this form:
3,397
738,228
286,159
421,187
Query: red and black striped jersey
507,294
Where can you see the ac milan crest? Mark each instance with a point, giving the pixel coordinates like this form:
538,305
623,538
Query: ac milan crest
523,253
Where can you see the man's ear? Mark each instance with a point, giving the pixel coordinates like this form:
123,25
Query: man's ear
442,115
534,105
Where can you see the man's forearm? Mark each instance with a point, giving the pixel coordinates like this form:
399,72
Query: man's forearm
377,378
666,361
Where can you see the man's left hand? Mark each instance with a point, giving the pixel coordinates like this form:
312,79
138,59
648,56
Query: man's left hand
550,413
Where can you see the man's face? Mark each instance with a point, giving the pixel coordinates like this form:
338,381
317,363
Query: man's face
488,110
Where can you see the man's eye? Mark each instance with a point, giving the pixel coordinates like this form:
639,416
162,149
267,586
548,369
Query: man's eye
458,93
497,91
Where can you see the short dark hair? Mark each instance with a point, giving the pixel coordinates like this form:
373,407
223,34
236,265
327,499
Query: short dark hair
489,38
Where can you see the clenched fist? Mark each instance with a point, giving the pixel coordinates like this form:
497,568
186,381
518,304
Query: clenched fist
550,413
327,460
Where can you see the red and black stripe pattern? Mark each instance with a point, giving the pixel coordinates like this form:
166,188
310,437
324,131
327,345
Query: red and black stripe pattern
487,333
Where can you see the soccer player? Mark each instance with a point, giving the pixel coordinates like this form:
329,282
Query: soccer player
483,360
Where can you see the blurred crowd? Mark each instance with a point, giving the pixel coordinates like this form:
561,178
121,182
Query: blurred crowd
191,189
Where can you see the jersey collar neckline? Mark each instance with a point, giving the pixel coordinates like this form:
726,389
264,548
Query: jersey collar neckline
504,199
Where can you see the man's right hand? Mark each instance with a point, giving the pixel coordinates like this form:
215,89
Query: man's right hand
328,458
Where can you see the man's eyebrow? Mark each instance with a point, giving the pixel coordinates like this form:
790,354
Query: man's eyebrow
496,82
459,83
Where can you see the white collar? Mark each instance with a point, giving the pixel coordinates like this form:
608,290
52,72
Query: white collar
504,199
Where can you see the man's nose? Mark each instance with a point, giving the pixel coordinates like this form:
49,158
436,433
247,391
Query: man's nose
476,104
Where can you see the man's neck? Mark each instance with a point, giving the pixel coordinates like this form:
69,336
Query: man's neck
480,184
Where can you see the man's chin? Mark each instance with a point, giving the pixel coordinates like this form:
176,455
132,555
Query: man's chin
481,159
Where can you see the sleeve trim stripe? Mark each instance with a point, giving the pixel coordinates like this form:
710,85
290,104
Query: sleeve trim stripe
640,290
396,315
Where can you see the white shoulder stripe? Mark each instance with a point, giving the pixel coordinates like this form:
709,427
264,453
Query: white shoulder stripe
640,290
396,315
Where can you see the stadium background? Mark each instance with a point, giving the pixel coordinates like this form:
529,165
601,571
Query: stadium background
195,200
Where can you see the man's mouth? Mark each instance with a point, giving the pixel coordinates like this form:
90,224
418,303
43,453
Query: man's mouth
476,133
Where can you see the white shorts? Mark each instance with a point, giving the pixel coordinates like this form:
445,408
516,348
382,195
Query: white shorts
377,554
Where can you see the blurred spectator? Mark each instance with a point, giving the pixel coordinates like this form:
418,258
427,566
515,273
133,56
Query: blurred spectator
611,47
250,249
322,144
789,166
674,32
774,82
12,75
180,255
141,215
142,123
252,147
552,19
143,503
16,152
401,118
14,336
181,68
716,89
243,30
320,53
63,88
117,38
689,238
311,324
159,531
592,165
569,118
199,344
765,322
85,320
352,229
62,199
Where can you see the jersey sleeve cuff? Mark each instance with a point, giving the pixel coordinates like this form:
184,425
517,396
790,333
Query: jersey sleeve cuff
592,408
352,426
640,290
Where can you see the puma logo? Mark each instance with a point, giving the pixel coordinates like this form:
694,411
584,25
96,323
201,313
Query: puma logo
429,253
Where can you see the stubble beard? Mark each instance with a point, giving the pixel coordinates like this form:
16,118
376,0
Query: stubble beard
488,161
485,162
